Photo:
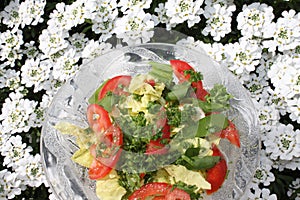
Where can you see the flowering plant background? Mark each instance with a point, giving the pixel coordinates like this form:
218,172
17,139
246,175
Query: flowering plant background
43,43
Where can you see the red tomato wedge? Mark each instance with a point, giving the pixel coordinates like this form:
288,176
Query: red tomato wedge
155,147
98,118
177,194
217,174
179,67
97,170
200,91
108,149
158,190
230,133
115,85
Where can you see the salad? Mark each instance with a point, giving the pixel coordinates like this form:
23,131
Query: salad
155,135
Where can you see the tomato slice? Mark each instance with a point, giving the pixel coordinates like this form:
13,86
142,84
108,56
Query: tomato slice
177,194
155,147
98,118
97,170
217,174
179,67
158,190
108,149
230,133
200,91
115,85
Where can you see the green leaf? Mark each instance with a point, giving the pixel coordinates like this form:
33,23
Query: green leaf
178,91
108,101
203,163
211,124
94,98
161,72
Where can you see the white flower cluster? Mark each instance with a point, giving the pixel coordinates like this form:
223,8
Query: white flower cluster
218,20
26,169
265,59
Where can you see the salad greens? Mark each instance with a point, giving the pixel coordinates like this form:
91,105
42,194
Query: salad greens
149,135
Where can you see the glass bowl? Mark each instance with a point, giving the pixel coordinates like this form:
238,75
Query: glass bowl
68,180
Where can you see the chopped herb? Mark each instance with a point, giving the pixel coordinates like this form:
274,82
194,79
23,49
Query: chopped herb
137,97
217,100
194,76
190,189
139,119
173,115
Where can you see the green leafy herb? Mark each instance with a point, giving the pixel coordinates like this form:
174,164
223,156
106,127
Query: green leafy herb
194,76
139,119
173,115
201,163
130,181
218,100
190,189
137,97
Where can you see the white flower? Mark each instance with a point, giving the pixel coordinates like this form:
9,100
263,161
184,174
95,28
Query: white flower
74,14
133,5
94,49
244,55
218,52
30,170
10,78
31,12
256,86
294,108
103,15
161,16
221,2
263,173
15,114
51,43
66,65
30,50
285,33
252,192
10,186
78,41
254,18
293,187
35,73
268,115
10,43
218,22
57,21
180,11
134,27
283,142
10,15
293,164
266,195
14,150
279,101
284,74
